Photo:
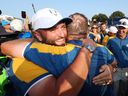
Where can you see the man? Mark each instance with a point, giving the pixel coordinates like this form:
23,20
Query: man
51,31
101,60
55,67
111,33
119,47
103,30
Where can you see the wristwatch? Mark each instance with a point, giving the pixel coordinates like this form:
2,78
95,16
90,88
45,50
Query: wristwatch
89,47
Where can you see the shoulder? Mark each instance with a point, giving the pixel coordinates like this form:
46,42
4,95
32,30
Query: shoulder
76,42
99,46
112,38
14,48
56,50
90,34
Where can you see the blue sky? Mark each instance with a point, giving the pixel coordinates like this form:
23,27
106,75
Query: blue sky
65,7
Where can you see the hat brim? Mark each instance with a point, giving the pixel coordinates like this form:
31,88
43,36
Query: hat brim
51,25
64,20
122,26
4,24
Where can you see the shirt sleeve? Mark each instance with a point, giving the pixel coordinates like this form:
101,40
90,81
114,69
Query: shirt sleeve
110,56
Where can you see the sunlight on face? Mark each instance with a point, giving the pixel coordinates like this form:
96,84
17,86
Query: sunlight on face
122,32
55,35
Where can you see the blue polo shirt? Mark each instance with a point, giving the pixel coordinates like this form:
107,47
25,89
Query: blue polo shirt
119,47
100,56
24,74
53,58
91,36
56,59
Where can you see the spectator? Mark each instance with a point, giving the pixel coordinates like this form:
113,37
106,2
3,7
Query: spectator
103,30
17,26
6,25
94,34
119,47
111,33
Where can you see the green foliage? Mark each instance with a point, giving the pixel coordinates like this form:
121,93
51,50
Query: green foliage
100,17
103,17
117,14
95,18
3,82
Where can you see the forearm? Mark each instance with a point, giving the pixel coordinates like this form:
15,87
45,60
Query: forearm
68,84
106,74
71,81
113,66
14,48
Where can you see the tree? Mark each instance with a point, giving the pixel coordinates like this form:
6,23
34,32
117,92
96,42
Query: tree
100,17
95,18
117,14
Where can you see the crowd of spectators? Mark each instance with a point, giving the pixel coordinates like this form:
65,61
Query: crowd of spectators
107,61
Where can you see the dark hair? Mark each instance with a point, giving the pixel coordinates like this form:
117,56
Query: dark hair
103,23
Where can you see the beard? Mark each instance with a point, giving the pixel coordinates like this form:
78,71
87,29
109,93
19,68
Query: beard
57,42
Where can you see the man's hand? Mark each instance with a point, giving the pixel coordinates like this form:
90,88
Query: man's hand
105,77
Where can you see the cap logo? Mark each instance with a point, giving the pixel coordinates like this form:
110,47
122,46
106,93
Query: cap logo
53,12
123,23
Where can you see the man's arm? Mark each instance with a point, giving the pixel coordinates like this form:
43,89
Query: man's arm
106,70
105,77
14,48
70,81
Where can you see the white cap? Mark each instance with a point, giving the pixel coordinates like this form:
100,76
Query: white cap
113,29
47,18
16,25
123,23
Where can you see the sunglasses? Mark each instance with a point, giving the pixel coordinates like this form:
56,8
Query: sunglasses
94,27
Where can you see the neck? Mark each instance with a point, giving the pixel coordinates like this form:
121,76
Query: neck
122,37
76,37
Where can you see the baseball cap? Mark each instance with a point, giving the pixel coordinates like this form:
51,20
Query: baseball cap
123,22
16,25
4,22
113,29
47,18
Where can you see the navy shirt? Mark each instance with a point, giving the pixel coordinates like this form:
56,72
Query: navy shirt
119,47
101,56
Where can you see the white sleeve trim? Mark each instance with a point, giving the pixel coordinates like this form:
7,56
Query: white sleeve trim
24,49
36,83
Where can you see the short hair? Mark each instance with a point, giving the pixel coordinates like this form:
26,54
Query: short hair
103,23
94,24
78,25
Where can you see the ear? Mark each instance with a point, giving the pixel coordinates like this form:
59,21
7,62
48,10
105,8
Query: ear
37,35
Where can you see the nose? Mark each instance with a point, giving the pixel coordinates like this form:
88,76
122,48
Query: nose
61,32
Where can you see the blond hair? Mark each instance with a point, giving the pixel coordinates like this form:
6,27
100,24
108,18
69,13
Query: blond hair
79,24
